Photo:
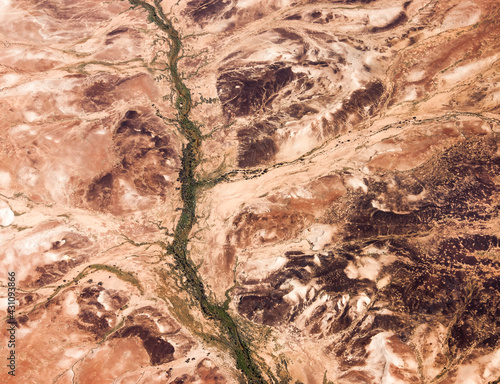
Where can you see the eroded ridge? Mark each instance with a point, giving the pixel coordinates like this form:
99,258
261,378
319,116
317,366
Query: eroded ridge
189,185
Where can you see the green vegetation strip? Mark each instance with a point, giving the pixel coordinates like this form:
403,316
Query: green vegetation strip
122,275
189,185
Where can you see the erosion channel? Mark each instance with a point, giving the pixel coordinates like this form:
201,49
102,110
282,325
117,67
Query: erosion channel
191,156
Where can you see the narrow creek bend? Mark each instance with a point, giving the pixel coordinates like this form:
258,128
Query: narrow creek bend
191,157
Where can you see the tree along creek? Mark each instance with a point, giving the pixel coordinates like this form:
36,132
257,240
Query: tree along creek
191,157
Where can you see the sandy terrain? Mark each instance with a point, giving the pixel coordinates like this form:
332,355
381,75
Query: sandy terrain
348,208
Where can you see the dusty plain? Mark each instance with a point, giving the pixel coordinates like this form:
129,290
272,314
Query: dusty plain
349,213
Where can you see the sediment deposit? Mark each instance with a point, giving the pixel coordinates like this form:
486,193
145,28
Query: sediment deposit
312,196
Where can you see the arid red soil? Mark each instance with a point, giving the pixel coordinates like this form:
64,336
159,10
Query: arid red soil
351,164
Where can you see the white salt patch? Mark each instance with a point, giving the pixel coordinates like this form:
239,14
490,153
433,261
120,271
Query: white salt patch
246,3
374,250
3,303
356,183
410,94
322,299
312,292
75,353
6,214
462,15
165,328
299,192
492,369
34,87
4,179
9,79
259,207
464,72
414,198
415,75
382,17
362,303
351,271
369,268
494,96
260,268
4,8
269,52
341,304
468,374
22,129
381,357
381,206
56,182
22,332
298,293
70,304
383,282
365,268
50,257
317,260
319,235
130,199
298,141
278,263
208,363
104,300
31,116
9,258
37,243
27,176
